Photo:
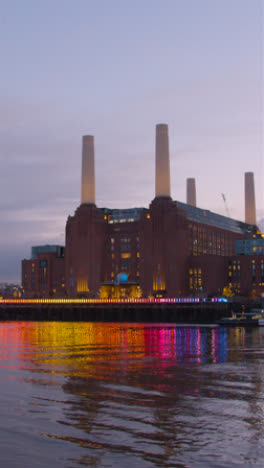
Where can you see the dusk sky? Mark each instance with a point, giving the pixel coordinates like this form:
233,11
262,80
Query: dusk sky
114,69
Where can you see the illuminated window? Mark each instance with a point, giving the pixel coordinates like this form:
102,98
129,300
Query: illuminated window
125,255
195,279
82,285
238,271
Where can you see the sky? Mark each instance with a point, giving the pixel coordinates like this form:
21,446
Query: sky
114,69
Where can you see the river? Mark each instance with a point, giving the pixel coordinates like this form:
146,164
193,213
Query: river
130,395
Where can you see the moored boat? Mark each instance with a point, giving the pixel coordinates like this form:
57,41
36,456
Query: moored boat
253,318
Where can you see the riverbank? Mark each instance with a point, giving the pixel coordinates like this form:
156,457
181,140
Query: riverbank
163,312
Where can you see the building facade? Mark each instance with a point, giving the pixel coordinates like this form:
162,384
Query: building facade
43,275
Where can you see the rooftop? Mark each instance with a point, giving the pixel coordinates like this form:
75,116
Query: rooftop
213,219
193,213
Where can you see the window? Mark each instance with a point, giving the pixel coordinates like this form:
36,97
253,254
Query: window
238,271
195,279
125,264
125,245
126,255
262,271
253,271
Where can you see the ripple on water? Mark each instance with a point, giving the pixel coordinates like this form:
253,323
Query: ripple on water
87,394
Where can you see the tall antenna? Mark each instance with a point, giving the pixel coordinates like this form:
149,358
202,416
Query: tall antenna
225,203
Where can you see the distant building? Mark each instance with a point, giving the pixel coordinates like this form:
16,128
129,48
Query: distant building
43,274
246,274
40,249
10,291
246,268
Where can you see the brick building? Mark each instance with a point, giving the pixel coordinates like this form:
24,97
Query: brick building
168,249
44,274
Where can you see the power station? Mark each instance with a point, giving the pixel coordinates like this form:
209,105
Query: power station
168,249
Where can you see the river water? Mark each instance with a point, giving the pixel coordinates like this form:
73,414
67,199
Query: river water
130,395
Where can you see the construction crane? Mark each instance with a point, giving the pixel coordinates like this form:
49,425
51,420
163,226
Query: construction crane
226,206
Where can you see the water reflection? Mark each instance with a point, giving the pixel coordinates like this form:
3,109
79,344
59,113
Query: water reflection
137,394
194,345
